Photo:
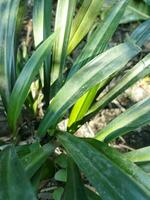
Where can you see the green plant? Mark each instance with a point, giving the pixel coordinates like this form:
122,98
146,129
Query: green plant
46,80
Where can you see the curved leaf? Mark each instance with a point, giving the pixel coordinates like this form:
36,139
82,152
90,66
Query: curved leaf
104,173
33,161
99,39
25,79
8,16
97,43
87,77
139,71
135,117
14,184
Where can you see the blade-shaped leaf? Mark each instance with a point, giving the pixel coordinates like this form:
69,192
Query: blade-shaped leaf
33,161
104,173
64,16
142,33
14,184
121,161
87,77
8,15
25,79
99,39
135,117
83,21
136,10
139,155
74,188
139,71
41,30
97,43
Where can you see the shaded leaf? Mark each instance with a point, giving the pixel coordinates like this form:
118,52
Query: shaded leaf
14,184
100,168
8,16
74,188
25,79
61,175
34,160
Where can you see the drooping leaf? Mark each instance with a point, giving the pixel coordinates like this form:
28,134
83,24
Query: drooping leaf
94,72
83,21
25,79
14,184
104,172
74,188
61,160
136,116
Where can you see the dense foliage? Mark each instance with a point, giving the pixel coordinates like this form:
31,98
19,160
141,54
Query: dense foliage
43,86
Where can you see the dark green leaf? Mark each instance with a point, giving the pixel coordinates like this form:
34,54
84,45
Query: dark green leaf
14,184
8,16
25,79
104,172
74,188
33,161
88,76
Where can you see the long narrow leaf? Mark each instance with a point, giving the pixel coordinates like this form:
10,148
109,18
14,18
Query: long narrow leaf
100,169
8,16
25,79
94,72
42,30
97,43
14,183
139,71
136,10
34,160
64,16
139,36
83,21
135,117
100,37
139,155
